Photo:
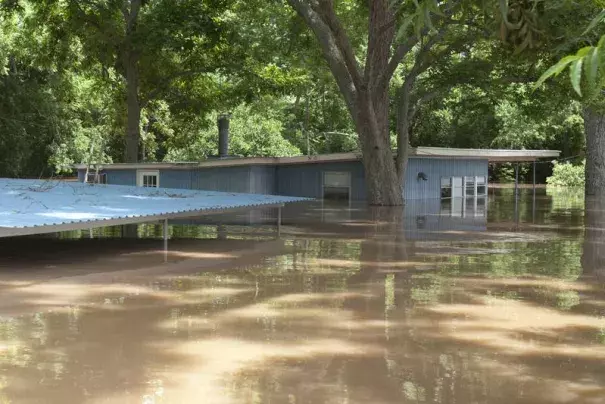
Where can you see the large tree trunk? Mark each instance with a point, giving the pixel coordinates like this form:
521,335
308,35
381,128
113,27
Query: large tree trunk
366,91
593,257
130,64
382,182
594,125
133,110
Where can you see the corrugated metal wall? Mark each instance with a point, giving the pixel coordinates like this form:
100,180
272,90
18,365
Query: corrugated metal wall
180,179
121,177
225,179
306,180
263,180
435,169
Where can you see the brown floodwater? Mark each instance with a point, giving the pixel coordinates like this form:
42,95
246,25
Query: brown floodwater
478,302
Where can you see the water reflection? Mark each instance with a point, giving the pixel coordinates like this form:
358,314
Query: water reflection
415,305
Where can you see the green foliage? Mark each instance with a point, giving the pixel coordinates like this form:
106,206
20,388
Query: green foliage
252,133
567,175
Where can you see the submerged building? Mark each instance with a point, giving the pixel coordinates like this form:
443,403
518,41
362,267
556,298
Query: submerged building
433,173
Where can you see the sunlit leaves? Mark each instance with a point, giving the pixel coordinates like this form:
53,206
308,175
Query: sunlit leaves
587,59
418,18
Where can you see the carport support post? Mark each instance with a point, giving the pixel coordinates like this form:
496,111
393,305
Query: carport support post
279,221
516,192
165,234
533,206
516,179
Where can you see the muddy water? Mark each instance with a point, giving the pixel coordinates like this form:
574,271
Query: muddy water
500,302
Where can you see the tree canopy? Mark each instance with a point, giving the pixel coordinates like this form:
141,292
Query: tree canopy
144,80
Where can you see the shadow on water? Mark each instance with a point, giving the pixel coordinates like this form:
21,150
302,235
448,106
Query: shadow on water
434,303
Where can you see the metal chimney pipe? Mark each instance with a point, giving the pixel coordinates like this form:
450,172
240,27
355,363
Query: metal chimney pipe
223,135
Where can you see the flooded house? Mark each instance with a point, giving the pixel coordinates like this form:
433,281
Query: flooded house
433,173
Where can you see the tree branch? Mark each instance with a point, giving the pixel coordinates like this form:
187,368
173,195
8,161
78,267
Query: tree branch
162,86
400,52
327,13
330,50
403,49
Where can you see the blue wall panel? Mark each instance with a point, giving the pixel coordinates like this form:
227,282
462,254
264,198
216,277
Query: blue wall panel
306,180
225,179
180,179
435,169
121,177
263,180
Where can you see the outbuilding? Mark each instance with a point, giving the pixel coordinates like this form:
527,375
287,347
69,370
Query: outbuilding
433,173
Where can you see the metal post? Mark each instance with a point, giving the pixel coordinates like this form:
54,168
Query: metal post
533,207
165,234
516,179
517,193
534,176
279,221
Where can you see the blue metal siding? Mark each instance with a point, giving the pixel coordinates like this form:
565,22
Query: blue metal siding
81,175
121,177
180,179
226,179
263,180
435,169
307,179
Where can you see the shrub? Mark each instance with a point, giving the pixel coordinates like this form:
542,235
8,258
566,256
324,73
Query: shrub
567,175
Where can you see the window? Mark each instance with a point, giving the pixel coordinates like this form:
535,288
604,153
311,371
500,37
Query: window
481,207
148,178
337,186
446,188
481,186
469,186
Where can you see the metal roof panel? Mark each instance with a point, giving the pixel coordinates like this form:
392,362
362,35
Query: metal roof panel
37,203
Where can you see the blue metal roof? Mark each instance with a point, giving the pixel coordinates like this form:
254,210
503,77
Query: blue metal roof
32,203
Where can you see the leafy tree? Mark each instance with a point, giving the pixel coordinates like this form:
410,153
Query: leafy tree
406,44
252,133
144,48
585,77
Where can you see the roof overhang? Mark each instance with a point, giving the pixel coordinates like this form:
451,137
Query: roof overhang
492,155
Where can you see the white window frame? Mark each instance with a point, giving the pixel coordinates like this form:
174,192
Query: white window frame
477,185
465,186
141,174
450,186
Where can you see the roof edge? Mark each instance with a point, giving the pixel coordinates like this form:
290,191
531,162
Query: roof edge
492,155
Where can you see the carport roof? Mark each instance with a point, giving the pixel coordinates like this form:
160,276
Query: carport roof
37,207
